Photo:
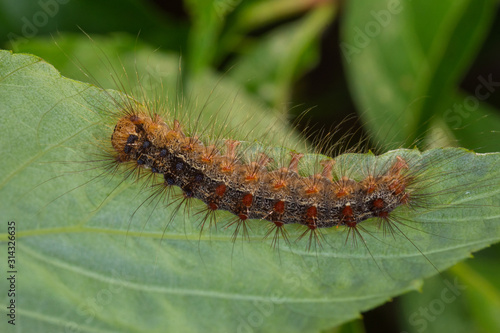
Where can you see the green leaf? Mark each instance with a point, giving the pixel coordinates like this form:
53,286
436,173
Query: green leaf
89,259
207,22
404,63
21,21
282,55
466,302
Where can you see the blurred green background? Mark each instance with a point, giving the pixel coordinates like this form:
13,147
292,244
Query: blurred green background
420,72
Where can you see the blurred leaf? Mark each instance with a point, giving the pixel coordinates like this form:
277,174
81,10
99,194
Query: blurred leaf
441,306
404,61
105,60
474,125
355,326
207,22
21,21
90,260
275,61
468,301
483,298
258,14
